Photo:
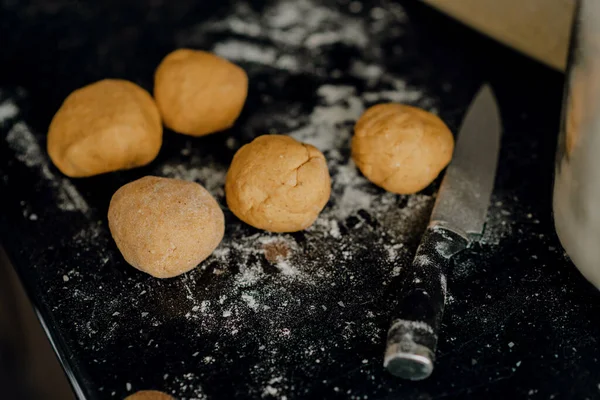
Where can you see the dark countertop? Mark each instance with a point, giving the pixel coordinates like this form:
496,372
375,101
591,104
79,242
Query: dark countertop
521,321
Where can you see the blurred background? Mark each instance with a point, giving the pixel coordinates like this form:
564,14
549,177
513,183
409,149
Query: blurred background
29,368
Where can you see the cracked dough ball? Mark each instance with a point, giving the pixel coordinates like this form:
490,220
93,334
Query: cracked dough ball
103,127
198,92
401,148
278,184
149,395
163,226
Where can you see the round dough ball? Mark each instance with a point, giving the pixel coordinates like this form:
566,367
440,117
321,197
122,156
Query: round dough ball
149,395
103,127
278,184
401,148
198,92
163,226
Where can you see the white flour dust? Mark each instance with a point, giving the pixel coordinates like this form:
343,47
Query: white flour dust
291,34
27,150
8,110
294,29
263,267
187,386
209,174
261,289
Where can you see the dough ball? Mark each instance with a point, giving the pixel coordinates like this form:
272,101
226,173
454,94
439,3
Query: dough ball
163,226
198,92
149,395
401,148
106,126
277,184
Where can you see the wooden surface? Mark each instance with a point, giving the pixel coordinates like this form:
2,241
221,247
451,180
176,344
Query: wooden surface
538,28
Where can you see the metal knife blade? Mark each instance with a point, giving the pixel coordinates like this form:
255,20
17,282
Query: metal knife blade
464,195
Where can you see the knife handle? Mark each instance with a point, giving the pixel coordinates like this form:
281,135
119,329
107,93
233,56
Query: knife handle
412,337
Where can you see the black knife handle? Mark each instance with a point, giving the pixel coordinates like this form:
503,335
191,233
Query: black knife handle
412,337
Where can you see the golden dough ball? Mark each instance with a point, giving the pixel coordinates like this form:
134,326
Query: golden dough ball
149,395
164,226
198,92
401,148
278,184
107,126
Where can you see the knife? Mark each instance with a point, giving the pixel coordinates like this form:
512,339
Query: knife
457,221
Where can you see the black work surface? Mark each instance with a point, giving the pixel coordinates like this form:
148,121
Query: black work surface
520,322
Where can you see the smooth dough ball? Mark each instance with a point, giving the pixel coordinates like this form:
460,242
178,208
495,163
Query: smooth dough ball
103,127
401,148
149,395
163,226
277,184
198,92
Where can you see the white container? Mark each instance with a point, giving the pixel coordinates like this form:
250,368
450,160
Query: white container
577,179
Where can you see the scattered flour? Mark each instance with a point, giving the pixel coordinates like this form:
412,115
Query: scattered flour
297,30
268,268
271,289
187,386
27,150
291,35
286,268
8,110
206,172
250,301
330,124
393,251
264,272
243,51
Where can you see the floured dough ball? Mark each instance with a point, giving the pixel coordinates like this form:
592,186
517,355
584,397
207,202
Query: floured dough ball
149,395
198,92
163,226
401,148
106,126
277,184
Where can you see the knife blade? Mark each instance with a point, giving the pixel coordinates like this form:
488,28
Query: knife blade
464,195
458,218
